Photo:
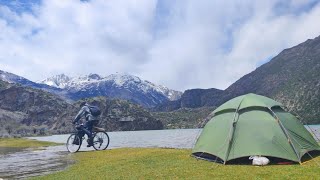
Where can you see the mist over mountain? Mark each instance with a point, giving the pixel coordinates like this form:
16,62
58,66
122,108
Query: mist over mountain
292,78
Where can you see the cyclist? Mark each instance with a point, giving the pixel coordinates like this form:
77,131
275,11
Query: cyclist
91,120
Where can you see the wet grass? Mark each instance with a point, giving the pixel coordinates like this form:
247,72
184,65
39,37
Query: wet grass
155,163
24,143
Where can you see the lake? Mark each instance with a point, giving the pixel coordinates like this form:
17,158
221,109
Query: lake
174,138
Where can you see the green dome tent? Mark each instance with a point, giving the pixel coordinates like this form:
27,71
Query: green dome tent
253,125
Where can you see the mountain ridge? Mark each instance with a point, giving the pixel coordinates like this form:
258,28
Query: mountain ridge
292,78
119,80
26,111
15,79
122,86
191,98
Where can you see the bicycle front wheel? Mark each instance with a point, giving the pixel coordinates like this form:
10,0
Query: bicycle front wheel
73,143
101,141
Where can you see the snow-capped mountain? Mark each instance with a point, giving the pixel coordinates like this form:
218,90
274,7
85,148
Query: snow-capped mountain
12,78
116,86
58,81
121,86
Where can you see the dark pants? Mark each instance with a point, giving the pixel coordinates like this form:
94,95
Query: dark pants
87,128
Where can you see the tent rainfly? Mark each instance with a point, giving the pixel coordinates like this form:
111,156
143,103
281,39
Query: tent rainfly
253,125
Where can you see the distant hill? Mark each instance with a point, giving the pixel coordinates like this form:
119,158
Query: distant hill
15,79
192,98
122,115
292,78
27,111
184,118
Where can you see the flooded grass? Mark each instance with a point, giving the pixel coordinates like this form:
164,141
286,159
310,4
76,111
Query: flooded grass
24,158
8,150
151,163
24,143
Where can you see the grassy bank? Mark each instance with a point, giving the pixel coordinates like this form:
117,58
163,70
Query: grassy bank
23,143
141,163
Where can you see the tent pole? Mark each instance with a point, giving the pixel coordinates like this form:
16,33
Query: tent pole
298,142
298,117
233,127
286,133
294,139
314,135
306,153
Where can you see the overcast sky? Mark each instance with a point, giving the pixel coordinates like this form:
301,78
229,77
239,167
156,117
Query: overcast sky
181,44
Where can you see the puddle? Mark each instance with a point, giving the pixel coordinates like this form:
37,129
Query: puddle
7,150
17,163
29,163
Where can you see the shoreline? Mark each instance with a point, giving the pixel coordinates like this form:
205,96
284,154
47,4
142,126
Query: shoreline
120,142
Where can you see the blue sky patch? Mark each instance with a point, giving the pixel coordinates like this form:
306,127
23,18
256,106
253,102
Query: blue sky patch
20,6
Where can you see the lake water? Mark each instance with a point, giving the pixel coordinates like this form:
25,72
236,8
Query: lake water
315,131
175,138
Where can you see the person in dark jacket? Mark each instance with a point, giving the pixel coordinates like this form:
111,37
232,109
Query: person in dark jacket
90,121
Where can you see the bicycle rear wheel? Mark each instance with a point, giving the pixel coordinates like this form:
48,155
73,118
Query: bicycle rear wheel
73,143
101,140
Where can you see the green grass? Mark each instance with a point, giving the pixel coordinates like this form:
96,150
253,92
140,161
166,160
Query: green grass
147,163
24,143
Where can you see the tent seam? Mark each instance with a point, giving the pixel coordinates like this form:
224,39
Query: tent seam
233,129
286,133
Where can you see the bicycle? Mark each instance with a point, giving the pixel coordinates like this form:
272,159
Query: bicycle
101,139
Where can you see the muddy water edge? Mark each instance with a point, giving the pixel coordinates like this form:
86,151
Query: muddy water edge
22,163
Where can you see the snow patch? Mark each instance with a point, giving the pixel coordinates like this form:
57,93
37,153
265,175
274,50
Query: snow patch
123,81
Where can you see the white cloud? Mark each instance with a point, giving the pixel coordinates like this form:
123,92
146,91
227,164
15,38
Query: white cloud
180,44
213,45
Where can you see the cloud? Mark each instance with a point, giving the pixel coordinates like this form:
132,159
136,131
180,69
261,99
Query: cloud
212,44
179,44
